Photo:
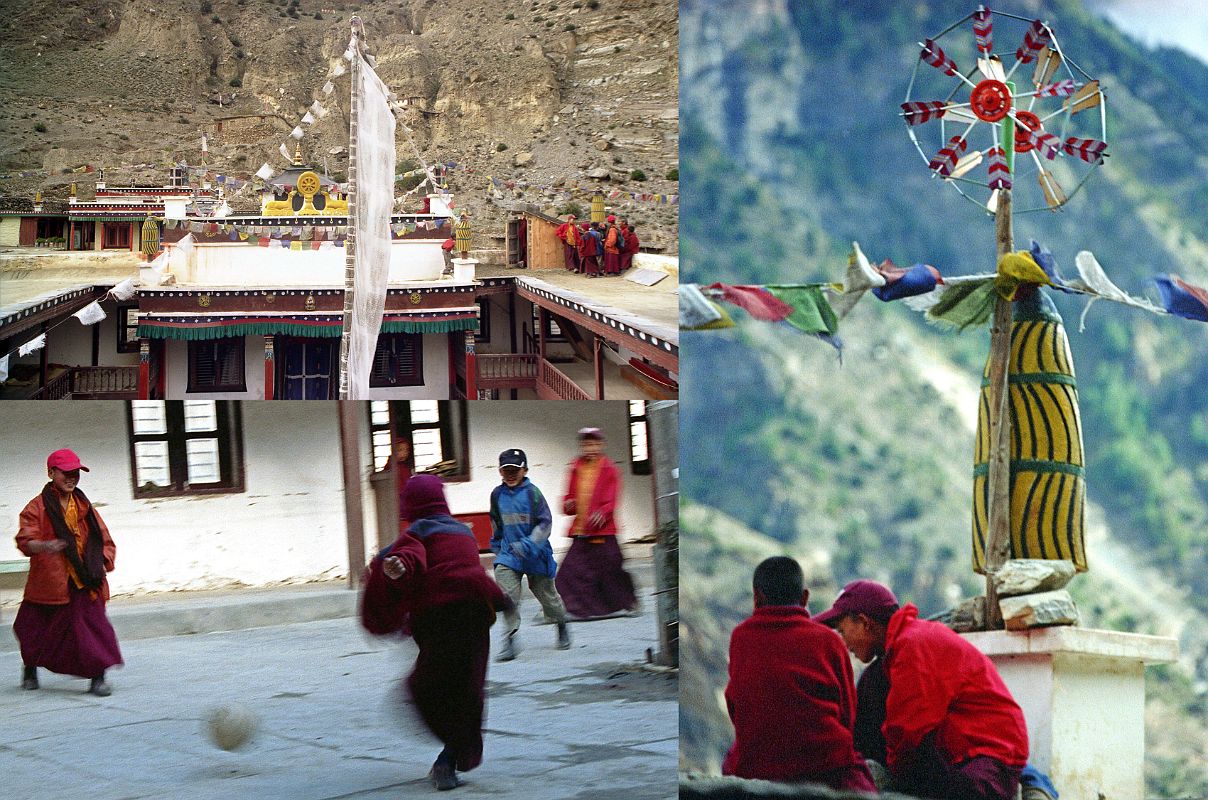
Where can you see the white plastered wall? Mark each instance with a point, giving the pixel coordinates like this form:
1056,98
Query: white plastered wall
288,525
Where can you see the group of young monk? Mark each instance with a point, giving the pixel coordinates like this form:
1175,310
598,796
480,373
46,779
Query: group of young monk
595,248
931,717
429,583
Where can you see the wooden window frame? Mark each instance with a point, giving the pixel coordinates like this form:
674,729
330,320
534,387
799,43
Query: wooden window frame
120,230
126,343
638,466
483,334
454,430
229,434
195,387
414,379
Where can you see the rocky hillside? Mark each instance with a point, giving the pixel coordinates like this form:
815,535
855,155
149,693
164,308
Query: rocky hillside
537,94
862,468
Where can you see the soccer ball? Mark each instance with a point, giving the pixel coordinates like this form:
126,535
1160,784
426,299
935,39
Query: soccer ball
231,726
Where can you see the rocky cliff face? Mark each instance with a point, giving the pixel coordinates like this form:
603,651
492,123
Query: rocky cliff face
537,94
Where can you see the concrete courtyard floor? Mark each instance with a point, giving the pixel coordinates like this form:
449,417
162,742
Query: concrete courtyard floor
589,723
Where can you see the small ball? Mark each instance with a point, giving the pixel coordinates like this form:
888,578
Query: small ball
231,726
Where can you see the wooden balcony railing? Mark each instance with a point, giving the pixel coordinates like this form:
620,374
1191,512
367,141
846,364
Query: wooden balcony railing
553,384
102,382
57,388
526,371
91,383
497,370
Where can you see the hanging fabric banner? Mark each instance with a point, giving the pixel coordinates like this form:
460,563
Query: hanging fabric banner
33,344
374,202
3,369
124,290
90,314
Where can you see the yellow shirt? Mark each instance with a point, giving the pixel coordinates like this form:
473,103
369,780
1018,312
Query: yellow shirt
589,471
71,515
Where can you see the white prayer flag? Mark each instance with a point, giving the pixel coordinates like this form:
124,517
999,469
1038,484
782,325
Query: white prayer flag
285,153
339,70
265,172
328,88
348,53
296,133
315,108
160,263
3,369
90,314
204,147
375,200
33,344
308,119
124,290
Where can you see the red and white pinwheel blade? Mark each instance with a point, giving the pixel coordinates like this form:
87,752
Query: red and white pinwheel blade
936,57
1036,39
918,112
982,32
1000,176
1091,151
945,160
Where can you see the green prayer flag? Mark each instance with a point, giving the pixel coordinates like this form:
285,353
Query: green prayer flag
812,312
965,304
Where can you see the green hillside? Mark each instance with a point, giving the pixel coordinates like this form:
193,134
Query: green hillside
791,149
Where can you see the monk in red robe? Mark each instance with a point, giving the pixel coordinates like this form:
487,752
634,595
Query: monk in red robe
592,579
430,583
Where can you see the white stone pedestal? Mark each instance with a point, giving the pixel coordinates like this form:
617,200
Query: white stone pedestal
1083,694
463,269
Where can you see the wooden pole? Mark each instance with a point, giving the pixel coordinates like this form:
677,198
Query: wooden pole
999,480
350,240
663,425
354,516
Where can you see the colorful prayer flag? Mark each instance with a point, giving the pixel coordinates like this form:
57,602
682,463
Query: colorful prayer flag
1181,298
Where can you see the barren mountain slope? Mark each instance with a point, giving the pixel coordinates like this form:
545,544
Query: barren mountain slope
538,94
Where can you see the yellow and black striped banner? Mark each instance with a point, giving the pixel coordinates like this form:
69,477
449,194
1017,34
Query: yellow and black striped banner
1048,485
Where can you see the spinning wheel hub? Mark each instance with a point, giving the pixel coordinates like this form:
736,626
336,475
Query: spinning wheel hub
990,100
1027,122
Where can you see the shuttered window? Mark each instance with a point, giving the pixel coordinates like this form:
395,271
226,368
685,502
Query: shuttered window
216,365
398,360
185,447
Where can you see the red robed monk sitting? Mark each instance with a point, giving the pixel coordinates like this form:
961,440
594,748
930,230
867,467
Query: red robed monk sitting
952,729
431,583
791,696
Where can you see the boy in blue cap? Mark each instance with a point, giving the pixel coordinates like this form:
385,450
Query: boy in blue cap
521,523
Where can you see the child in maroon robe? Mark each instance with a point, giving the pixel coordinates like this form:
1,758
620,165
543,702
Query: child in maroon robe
61,624
791,695
430,583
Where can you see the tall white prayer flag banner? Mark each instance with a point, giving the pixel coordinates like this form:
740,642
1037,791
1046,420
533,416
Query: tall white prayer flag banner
374,203
3,369
90,314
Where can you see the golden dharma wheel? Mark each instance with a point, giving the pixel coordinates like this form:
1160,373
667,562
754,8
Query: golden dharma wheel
308,184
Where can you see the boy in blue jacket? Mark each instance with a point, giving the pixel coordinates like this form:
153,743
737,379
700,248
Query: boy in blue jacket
521,522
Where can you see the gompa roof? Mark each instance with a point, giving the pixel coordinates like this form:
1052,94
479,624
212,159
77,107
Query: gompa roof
289,177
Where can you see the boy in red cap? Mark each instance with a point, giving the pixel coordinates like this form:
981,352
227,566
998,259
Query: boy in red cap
952,729
431,583
61,624
791,695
